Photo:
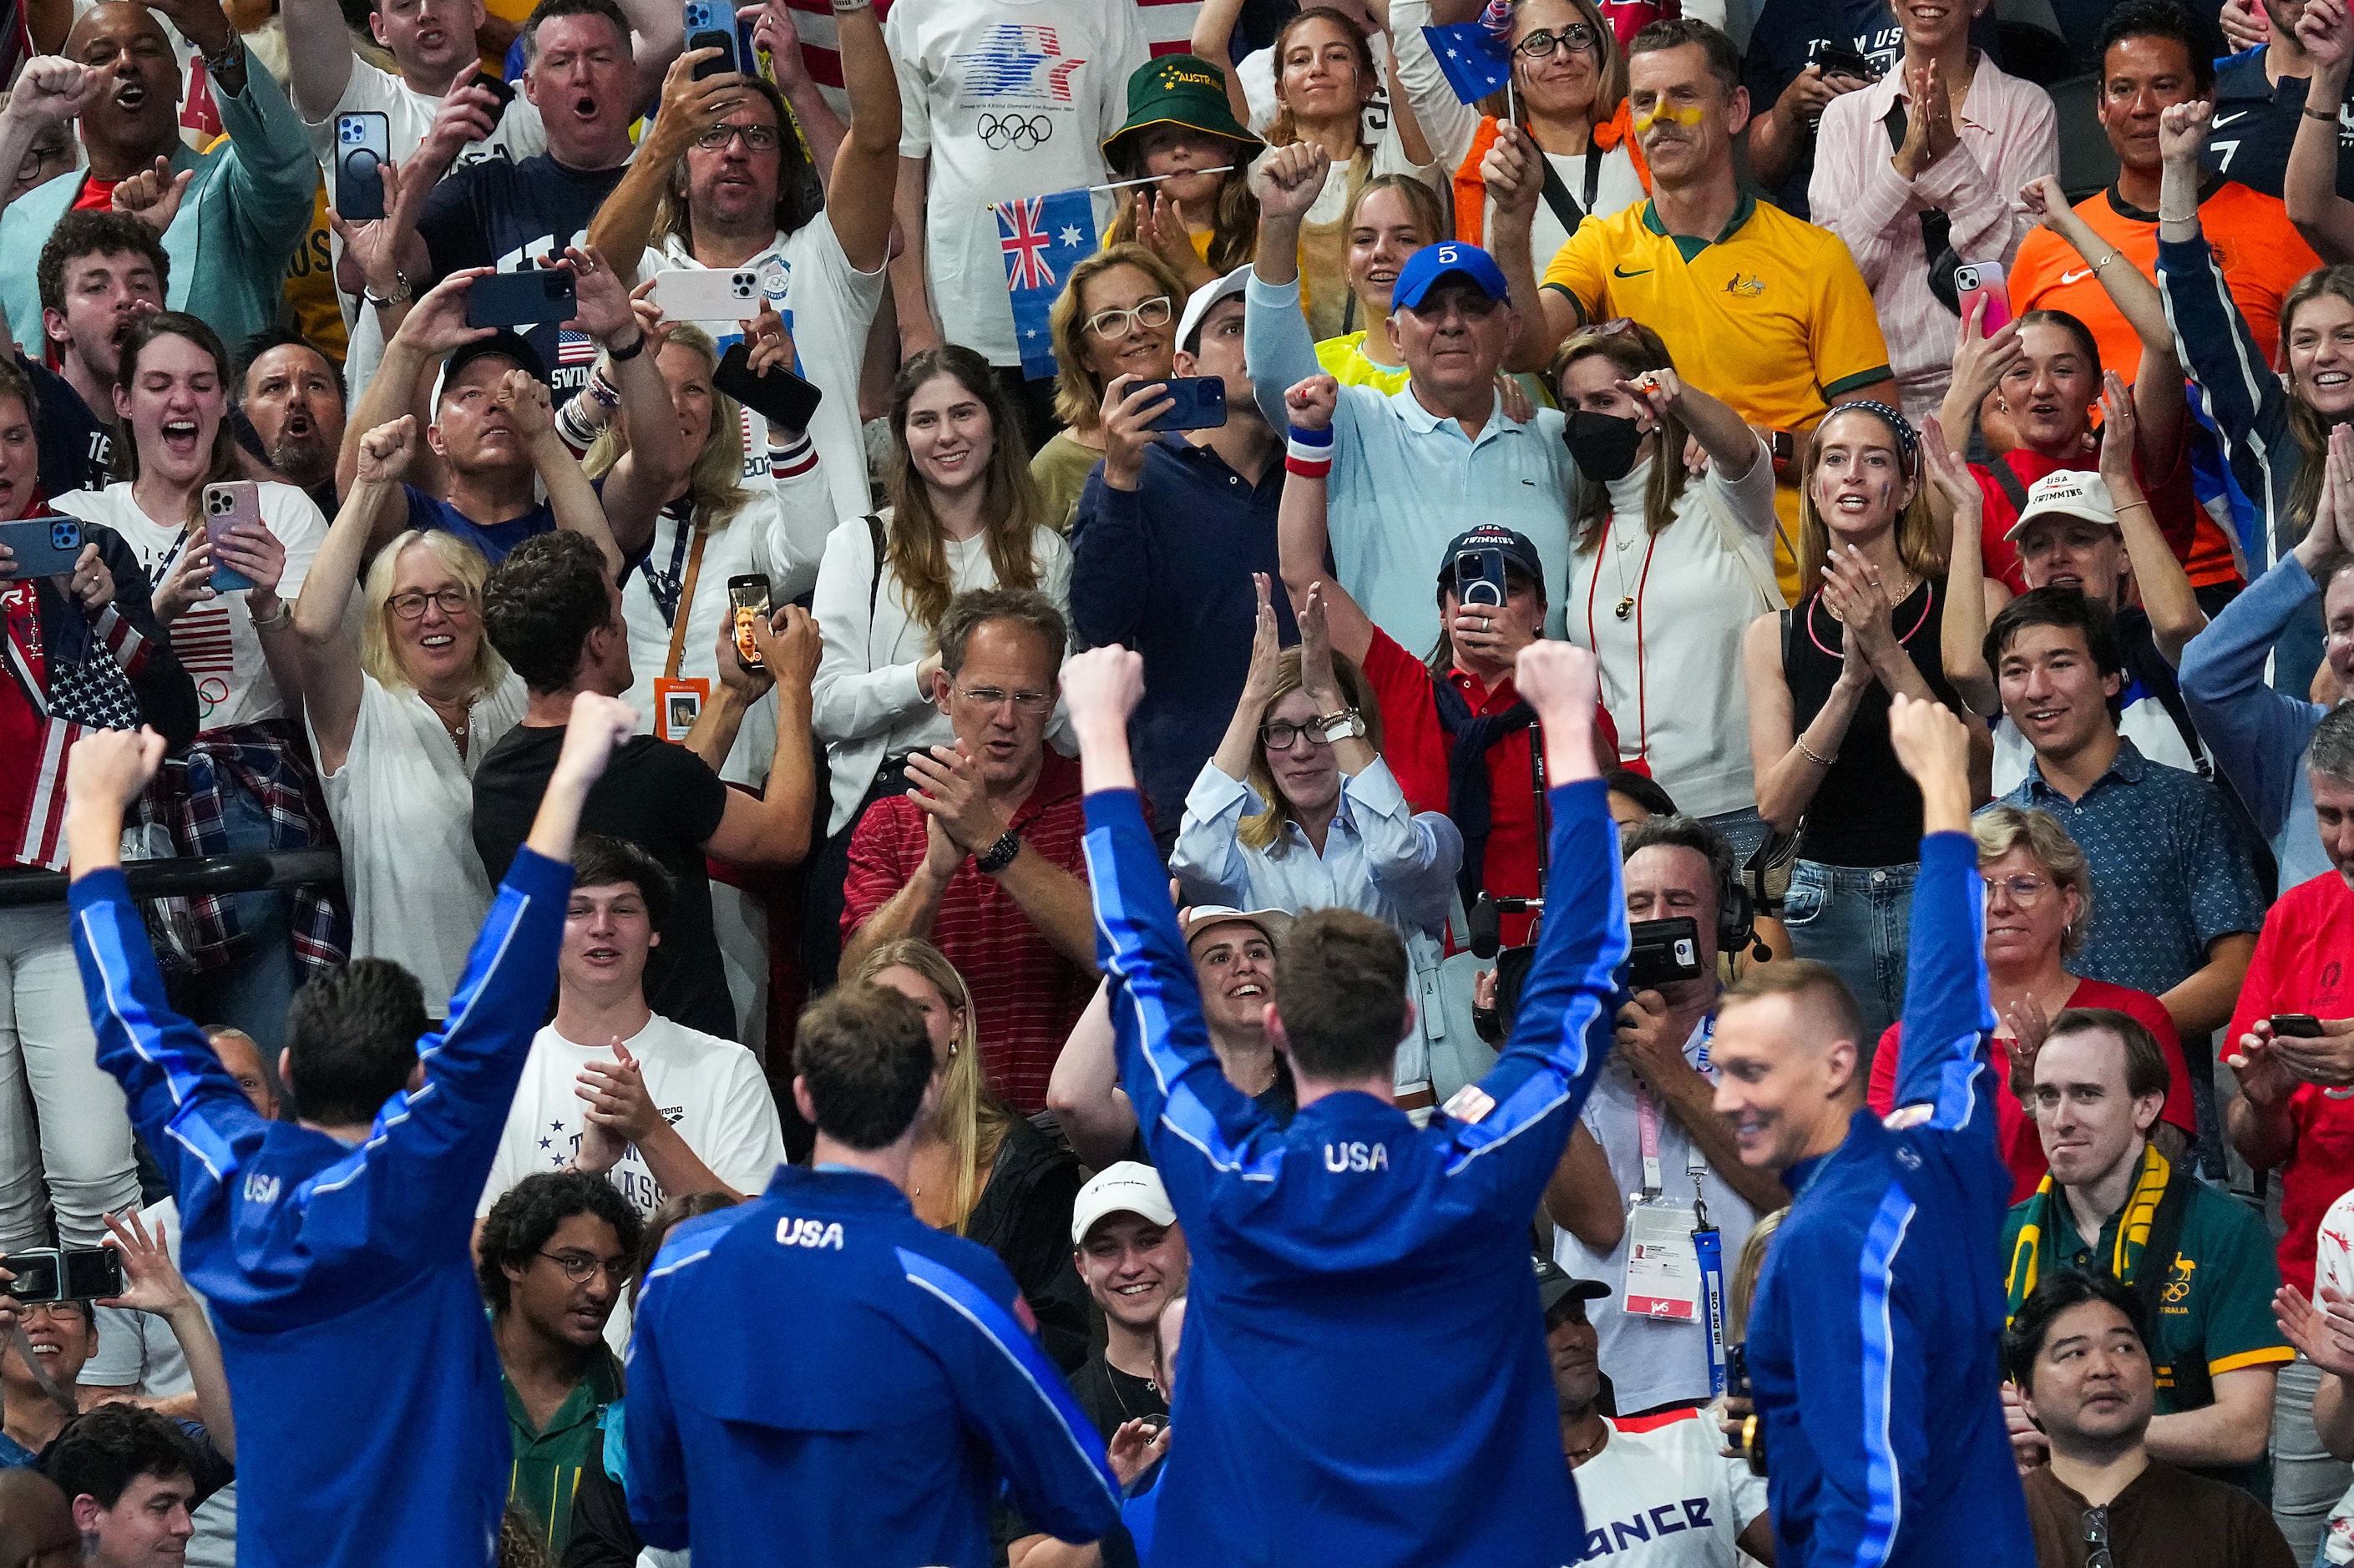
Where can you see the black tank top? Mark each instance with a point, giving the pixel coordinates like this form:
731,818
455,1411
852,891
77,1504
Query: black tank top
1867,811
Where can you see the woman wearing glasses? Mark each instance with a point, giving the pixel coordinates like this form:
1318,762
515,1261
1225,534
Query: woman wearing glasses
401,706
1569,85
1298,811
964,514
1117,316
2038,906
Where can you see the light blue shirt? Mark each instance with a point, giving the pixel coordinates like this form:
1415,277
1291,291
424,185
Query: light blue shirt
1405,480
1379,858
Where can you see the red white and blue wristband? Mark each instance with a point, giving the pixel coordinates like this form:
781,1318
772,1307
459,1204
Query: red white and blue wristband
1309,453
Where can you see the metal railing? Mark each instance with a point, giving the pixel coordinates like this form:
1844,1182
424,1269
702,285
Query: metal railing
187,877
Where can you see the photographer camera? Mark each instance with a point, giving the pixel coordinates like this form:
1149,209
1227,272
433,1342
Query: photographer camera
1651,1129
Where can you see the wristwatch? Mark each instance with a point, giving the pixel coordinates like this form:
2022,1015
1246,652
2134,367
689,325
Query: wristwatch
1000,855
1346,725
403,290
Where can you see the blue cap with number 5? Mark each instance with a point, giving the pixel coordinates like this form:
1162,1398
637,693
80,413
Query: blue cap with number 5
1425,267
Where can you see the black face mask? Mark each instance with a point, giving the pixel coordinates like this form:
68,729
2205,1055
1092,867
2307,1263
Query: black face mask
1603,445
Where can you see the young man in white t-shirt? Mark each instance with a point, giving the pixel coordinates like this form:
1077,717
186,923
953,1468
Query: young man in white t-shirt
657,1108
1655,1491
732,206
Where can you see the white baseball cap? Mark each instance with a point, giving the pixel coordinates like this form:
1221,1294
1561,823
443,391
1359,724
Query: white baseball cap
1127,1188
1198,303
2067,491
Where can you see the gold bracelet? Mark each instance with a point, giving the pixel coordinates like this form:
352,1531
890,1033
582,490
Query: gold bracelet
2129,506
1814,757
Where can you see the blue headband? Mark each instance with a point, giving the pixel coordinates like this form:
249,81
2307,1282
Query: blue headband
1902,427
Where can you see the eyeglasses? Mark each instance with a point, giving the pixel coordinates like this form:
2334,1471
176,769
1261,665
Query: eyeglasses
2097,1537
757,138
1023,701
410,606
1539,46
1152,312
1282,734
2026,892
579,1267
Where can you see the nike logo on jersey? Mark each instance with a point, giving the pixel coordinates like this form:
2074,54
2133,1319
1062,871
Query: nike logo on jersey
792,1232
1622,272
2222,119
1342,1157
2068,278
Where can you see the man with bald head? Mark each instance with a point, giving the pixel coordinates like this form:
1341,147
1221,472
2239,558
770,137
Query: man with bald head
36,1526
246,202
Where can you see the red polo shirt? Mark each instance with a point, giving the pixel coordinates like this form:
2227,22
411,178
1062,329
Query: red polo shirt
1025,994
2304,962
1416,750
2172,503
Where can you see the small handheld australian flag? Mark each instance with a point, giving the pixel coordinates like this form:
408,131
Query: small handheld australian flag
1476,57
1041,237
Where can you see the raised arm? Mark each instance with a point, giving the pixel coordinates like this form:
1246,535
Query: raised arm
1084,1092
2309,186
656,465
2158,397
1513,173
50,91
778,36
1971,597
151,1284
429,332
859,198
1303,540
332,679
624,224
2175,617
1278,348
192,1114
1201,1130
1513,1123
318,58
1949,1018
1213,40
1448,124
773,829
1239,743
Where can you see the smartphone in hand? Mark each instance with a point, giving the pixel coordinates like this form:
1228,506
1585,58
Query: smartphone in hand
363,146
747,599
233,504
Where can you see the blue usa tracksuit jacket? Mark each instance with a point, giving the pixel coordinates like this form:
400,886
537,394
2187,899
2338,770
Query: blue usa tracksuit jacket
1874,1346
1363,1379
370,1422
817,1377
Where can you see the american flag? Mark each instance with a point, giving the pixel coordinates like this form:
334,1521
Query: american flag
575,348
1168,25
1025,244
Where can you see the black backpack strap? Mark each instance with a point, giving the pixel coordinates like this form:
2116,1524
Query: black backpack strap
1556,194
875,583
2006,480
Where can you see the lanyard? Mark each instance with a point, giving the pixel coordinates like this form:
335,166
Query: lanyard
1642,684
665,587
1646,1122
1708,1245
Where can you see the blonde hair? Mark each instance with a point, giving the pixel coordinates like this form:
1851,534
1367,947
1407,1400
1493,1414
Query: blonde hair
715,486
1262,829
969,1119
464,562
1752,1263
1078,395
1915,527
2002,829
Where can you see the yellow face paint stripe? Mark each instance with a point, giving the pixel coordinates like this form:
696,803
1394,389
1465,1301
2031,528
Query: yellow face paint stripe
1687,116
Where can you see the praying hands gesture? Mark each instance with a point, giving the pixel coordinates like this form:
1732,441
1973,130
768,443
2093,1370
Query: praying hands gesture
1929,131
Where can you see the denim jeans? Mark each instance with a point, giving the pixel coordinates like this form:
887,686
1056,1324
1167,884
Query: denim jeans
1855,918
2307,1482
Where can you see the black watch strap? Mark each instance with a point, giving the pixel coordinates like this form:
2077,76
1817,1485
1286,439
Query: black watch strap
1000,855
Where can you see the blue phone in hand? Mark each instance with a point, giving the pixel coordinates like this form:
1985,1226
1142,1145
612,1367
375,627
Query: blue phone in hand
1199,404
711,25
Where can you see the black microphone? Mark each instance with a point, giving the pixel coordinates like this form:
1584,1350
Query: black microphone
1486,931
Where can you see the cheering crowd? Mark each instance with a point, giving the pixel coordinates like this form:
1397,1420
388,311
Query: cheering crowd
772,778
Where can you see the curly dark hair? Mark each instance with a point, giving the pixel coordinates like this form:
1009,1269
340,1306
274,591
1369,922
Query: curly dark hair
100,1455
80,234
542,603
527,1214
351,1040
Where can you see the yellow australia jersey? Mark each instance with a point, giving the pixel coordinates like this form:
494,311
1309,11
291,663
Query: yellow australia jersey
1772,316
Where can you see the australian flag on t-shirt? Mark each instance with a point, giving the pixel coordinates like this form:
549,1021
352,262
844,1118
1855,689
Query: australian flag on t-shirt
1043,237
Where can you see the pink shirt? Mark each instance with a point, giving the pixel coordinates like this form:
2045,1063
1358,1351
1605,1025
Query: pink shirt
2008,135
